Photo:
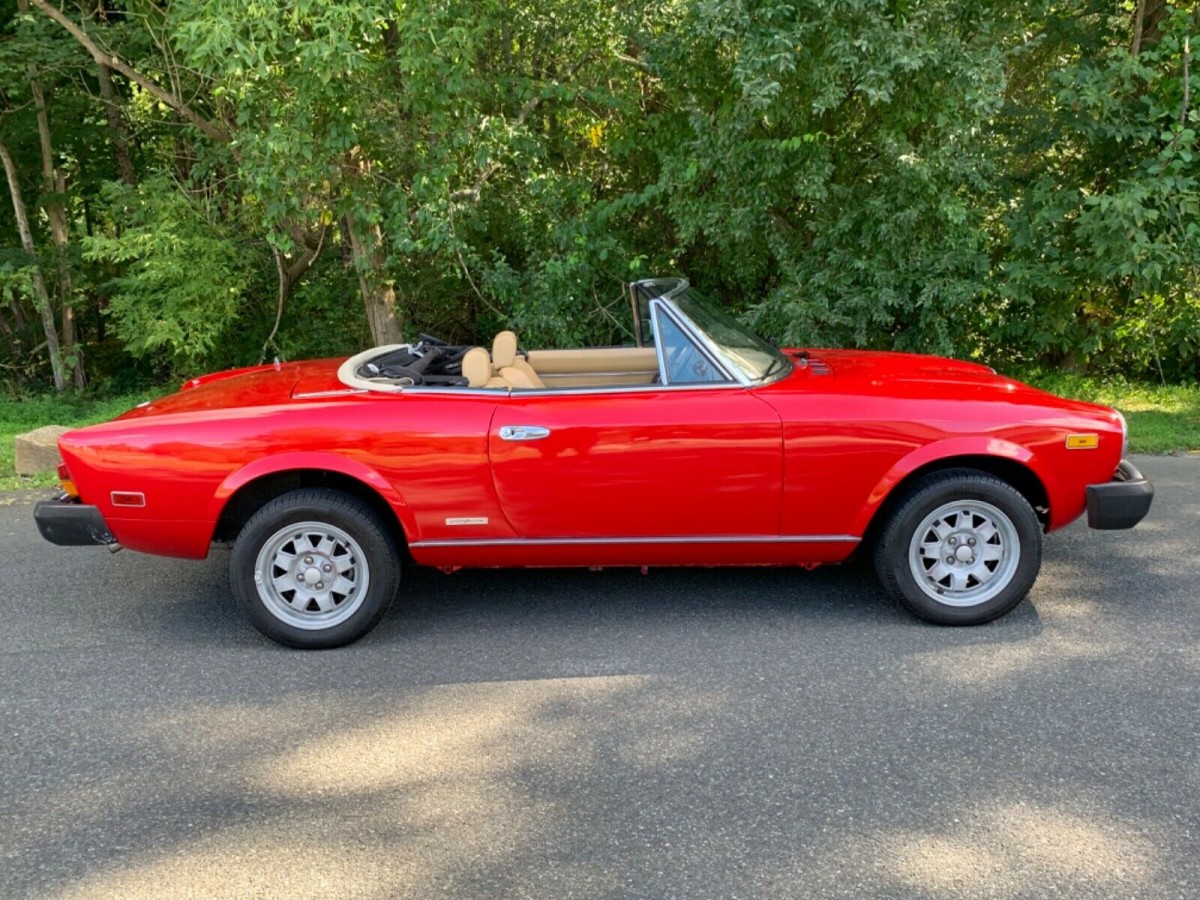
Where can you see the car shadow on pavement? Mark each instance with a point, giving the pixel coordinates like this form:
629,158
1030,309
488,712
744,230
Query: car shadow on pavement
580,622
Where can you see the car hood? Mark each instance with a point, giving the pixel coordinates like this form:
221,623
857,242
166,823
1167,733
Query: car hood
913,375
876,369
881,364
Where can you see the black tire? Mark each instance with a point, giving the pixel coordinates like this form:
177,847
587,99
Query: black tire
337,533
899,549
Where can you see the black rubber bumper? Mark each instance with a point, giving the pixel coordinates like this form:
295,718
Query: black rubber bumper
71,524
1121,503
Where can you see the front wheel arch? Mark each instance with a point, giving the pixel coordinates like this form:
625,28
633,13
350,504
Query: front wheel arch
1017,475
991,537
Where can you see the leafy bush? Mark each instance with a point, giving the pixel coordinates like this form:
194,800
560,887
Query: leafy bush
183,273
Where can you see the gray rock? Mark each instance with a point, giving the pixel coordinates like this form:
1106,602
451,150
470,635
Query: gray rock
37,450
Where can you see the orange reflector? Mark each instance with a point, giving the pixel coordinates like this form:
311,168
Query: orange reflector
128,498
1083,441
65,482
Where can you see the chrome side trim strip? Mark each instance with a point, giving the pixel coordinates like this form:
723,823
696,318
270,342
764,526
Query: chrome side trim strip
608,541
340,392
569,391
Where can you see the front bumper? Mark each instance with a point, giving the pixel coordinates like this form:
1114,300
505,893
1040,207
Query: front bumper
71,524
1122,502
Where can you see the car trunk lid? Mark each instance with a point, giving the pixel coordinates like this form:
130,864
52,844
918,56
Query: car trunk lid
236,388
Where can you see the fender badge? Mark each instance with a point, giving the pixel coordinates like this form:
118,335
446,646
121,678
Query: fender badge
1083,441
478,520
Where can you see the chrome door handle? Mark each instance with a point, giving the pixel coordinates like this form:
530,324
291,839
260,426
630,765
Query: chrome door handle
523,432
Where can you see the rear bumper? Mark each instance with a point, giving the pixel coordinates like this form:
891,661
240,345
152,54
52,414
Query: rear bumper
1122,502
70,524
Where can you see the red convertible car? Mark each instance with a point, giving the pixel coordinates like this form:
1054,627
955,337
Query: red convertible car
701,444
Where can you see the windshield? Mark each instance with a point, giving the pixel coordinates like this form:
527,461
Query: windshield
757,359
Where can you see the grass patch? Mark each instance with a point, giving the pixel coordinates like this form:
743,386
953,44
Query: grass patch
1162,419
25,413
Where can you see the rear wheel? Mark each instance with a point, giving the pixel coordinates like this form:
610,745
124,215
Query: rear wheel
314,568
961,548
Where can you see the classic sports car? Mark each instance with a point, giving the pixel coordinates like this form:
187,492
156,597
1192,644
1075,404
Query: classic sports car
700,445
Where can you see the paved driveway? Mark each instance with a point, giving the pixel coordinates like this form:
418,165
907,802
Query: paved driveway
724,733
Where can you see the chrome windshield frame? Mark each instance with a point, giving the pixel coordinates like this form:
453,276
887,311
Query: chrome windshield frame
661,306
664,293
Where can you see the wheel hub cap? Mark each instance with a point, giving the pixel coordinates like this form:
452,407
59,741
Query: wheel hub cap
312,575
964,553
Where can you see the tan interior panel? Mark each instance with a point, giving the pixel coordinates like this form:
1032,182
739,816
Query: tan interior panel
606,360
600,367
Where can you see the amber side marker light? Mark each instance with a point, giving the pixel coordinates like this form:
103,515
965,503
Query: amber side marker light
65,482
1083,441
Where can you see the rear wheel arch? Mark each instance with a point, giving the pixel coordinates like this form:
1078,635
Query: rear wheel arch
315,568
1013,472
251,496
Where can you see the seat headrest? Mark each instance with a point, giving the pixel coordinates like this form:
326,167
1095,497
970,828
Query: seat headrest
504,349
477,367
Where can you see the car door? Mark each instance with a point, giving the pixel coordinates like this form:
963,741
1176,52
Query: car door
697,456
660,462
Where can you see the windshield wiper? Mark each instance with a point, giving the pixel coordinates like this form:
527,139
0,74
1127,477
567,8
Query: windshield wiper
778,361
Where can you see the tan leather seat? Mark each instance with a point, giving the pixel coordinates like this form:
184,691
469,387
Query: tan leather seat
514,369
477,369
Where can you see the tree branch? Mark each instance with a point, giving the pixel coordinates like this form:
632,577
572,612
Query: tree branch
632,61
105,58
1135,46
288,276
1187,55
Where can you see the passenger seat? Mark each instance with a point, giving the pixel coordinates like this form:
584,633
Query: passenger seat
514,370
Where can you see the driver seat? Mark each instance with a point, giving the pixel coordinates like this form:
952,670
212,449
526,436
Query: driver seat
478,370
513,368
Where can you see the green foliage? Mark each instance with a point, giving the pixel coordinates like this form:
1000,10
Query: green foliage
1099,240
183,273
318,321
989,179
824,165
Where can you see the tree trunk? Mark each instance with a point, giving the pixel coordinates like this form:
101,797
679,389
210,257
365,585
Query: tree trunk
40,294
116,126
1147,24
378,293
54,186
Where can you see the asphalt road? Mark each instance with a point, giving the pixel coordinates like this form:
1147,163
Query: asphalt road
710,733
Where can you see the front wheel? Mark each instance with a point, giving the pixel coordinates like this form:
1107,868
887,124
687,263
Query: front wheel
961,548
314,568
